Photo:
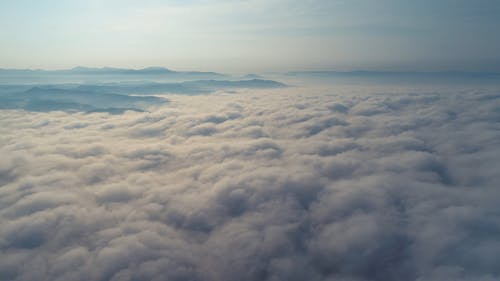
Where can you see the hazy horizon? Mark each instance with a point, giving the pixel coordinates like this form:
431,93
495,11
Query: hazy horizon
291,71
252,35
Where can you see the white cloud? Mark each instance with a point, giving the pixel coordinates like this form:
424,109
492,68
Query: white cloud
260,185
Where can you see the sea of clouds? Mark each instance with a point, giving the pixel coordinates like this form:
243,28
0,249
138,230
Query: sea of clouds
285,184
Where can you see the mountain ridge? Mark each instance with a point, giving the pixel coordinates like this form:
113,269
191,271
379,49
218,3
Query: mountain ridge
393,73
151,70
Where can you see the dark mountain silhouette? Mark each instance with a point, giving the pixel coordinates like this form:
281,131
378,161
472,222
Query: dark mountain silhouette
82,74
188,87
112,97
395,74
106,70
50,99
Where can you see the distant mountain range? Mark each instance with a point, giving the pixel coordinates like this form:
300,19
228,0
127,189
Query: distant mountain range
162,71
82,74
114,98
113,70
396,74
107,70
50,99
110,89
187,87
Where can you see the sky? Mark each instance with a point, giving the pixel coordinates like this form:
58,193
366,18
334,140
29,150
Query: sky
252,35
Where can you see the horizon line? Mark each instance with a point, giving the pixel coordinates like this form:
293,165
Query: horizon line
156,67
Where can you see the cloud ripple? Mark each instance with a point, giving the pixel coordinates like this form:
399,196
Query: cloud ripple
256,186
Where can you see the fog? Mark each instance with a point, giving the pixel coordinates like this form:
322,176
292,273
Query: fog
346,182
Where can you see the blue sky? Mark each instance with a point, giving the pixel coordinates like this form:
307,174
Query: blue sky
252,35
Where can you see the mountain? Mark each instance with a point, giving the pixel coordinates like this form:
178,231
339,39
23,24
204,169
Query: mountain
188,87
112,97
155,70
395,74
252,83
50,99
119,71
81,74
252,76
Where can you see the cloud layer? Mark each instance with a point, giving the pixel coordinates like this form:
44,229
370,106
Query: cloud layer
261,185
